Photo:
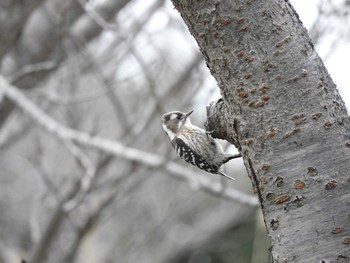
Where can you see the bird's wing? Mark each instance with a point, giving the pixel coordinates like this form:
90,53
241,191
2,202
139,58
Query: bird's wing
192,157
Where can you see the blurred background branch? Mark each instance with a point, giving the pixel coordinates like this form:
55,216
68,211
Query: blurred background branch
68,136
98,75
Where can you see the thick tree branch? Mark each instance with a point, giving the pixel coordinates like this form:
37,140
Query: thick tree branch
217,123
282,110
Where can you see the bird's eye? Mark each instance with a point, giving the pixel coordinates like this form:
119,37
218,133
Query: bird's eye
178,117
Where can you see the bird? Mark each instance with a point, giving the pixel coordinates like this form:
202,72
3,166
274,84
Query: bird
195,145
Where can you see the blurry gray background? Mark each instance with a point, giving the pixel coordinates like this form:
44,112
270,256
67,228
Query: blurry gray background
111,69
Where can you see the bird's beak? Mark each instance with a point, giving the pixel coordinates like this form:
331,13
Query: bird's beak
188,114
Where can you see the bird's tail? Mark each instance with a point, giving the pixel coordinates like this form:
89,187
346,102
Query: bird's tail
232,156
225,175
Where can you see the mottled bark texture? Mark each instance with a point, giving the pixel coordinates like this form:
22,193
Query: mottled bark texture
281,109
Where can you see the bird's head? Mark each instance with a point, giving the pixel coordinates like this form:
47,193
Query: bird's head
173,121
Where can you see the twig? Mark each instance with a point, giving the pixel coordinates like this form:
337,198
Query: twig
96,17
116,148
33,68
85,182
177,85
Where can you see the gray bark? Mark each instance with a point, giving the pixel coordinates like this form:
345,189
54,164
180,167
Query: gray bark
281,109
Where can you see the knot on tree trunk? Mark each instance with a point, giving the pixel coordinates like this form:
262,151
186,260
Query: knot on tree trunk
217,123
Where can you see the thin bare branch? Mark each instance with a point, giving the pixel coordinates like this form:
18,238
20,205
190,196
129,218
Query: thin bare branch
51,230
33,68
116,148
85,182
152,108
98,19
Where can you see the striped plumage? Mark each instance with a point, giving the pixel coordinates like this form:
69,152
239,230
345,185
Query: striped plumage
194,144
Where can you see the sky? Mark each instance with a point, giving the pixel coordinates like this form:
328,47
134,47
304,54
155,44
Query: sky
337,63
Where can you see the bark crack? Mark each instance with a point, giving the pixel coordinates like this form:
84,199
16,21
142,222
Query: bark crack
235,127
256,182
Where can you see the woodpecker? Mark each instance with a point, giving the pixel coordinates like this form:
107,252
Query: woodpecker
195,145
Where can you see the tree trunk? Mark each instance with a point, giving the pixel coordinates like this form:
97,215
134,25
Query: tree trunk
281,109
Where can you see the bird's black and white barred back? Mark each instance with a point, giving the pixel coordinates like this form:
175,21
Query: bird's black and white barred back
190,156
194,144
